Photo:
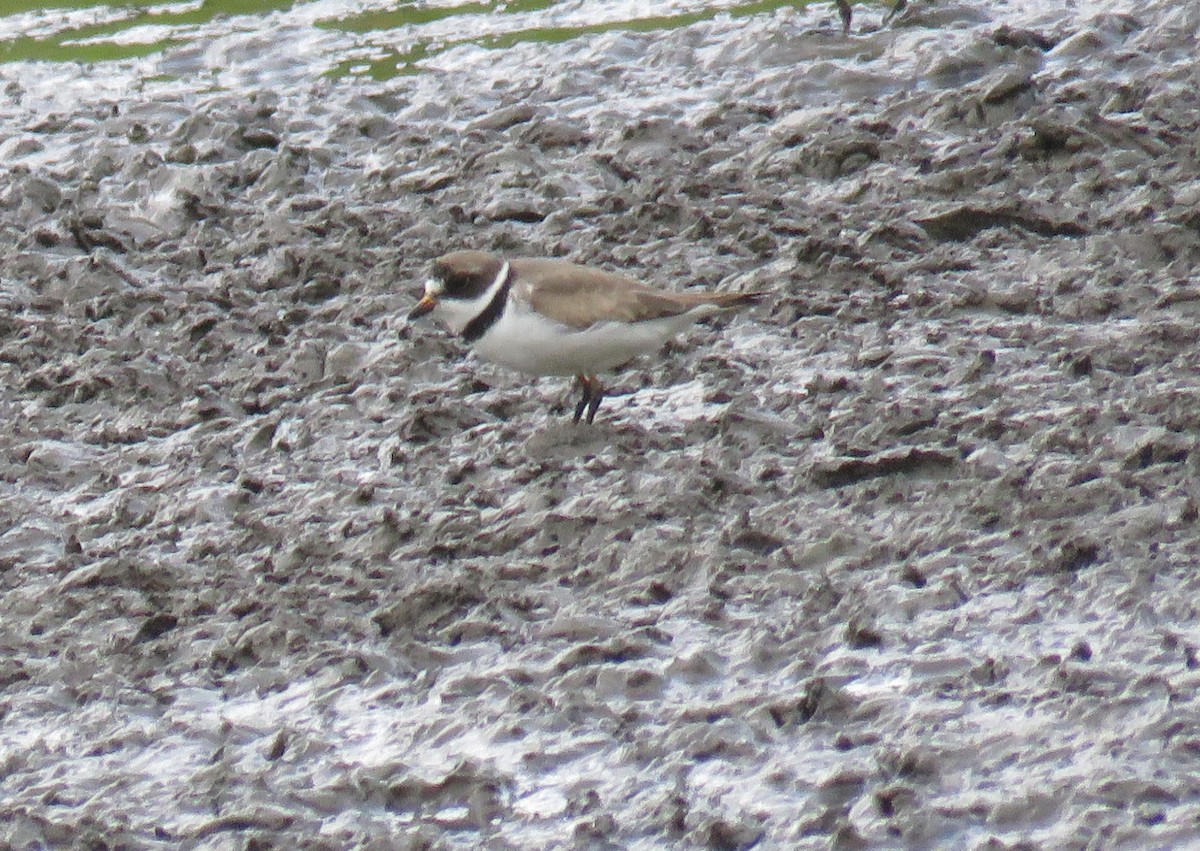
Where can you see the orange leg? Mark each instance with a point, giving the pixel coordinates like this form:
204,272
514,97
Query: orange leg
593,393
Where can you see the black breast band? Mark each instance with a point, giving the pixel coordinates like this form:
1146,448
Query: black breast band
491,314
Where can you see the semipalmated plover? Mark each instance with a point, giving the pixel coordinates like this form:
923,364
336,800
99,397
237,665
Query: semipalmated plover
552,317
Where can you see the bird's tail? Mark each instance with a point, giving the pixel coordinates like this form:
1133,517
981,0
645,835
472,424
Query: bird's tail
726,300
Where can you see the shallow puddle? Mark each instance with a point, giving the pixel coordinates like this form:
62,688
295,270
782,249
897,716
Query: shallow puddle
334,37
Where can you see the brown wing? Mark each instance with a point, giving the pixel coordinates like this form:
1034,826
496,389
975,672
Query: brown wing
580,297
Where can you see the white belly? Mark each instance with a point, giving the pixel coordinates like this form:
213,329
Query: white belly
524,341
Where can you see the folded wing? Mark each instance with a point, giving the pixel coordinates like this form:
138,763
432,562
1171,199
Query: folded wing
580,297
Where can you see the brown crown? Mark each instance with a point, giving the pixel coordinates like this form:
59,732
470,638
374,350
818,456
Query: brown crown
466,274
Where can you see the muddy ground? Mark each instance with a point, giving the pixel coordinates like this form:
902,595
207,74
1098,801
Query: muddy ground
905,556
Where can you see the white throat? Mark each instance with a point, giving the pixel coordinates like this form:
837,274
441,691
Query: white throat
457,313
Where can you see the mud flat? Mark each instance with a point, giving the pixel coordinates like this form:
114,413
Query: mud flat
906,556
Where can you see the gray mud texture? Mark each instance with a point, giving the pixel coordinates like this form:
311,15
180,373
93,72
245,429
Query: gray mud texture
905,556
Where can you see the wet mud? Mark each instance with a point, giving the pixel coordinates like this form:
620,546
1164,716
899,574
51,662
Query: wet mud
904,556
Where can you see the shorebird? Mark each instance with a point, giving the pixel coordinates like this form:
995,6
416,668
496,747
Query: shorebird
552,317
